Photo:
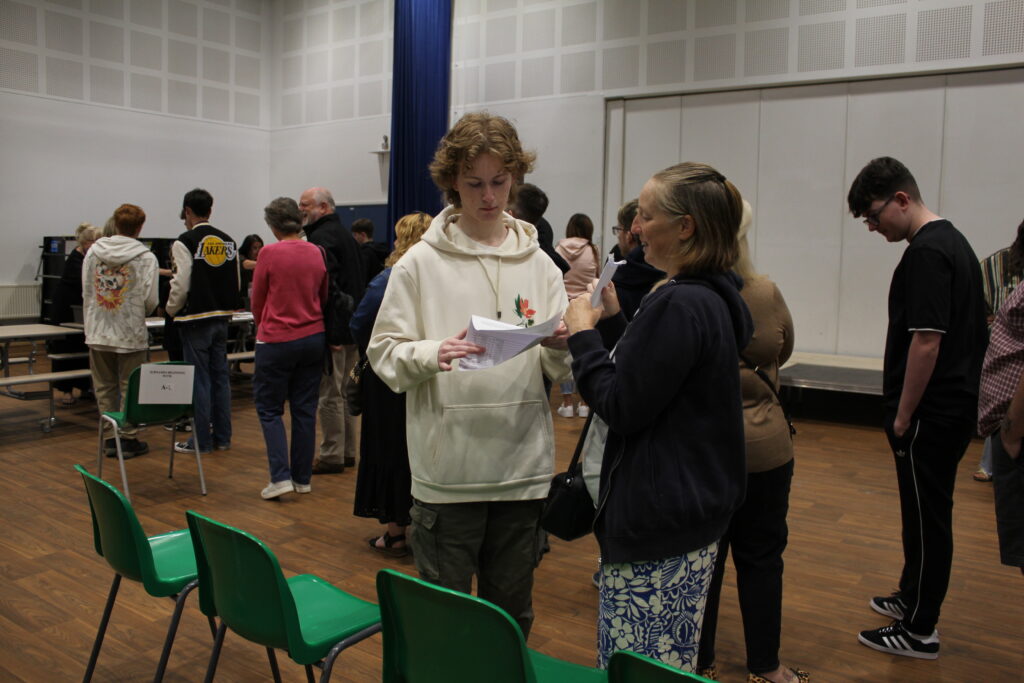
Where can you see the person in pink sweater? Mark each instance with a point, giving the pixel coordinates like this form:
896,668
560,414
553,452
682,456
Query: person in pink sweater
584,266
289,288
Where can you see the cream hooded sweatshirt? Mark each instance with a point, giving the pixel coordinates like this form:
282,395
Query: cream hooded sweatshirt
481,435
119,289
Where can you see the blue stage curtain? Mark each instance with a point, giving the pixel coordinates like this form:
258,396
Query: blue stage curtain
419,104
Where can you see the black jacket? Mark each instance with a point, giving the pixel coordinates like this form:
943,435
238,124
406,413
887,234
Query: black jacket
344,261
674,466
633,280
374,254
546,237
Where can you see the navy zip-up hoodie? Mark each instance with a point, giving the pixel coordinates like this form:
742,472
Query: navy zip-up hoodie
674,468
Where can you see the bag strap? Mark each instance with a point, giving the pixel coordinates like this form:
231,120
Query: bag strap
771,386
579,444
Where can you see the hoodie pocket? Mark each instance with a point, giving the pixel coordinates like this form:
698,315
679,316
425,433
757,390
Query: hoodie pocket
498,443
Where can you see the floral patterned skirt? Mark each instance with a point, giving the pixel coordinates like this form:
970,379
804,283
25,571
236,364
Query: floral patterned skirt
655,608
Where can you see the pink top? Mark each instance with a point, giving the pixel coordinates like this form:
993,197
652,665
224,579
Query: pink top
583,264
288,288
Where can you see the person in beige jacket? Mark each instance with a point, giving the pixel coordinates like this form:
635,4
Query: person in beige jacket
481,446
758,531
584,267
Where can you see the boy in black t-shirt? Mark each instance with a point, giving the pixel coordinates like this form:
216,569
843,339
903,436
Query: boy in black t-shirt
933,353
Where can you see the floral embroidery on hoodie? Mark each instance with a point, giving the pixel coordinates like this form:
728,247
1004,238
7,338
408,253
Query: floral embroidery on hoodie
111,284
524,312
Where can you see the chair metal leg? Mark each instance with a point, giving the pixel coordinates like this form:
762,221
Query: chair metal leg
218,641
170,466
99,452
309,674
111,596
172,629
328,662
199,459
273,665
213,627
120,453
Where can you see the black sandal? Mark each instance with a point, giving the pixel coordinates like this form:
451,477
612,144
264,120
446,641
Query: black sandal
389,545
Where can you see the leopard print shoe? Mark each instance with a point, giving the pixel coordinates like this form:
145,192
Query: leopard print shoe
708,672
801,676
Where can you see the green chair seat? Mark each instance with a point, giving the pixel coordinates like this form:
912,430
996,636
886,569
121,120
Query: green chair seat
629,667
174,562
550,668
241,581
327,615
164,564
117,417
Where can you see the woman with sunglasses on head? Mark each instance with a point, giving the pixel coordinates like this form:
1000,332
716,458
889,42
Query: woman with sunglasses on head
667,386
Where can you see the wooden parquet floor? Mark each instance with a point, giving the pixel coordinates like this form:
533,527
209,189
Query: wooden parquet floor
844,548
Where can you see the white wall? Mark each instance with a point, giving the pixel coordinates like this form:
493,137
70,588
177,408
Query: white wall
793,152
68,162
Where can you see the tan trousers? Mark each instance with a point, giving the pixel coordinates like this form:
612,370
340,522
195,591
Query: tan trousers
110,373
340,430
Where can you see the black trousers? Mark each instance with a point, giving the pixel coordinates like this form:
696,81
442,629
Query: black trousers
926,458
758,534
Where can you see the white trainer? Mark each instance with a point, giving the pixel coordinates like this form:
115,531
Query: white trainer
277,488
583,410
302,488
564,411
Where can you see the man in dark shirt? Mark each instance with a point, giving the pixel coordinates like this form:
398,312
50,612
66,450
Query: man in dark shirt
529,205
933,353
373,253
344,264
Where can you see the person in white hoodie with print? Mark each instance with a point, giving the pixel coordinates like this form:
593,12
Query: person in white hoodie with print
481,443
119,289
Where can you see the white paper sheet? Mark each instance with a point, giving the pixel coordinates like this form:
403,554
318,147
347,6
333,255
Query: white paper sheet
160,383
610,267
502,341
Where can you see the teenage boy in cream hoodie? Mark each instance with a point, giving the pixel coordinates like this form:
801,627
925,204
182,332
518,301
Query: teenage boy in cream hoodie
481,446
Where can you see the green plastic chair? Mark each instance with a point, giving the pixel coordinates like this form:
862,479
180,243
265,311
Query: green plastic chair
136,414
242,582
164,564
434,634
629,667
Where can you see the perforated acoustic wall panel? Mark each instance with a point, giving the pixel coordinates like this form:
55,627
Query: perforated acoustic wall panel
334,60
200,58
644,47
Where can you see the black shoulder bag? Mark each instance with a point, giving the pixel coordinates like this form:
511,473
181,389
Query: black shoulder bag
771,385
569,509
337,313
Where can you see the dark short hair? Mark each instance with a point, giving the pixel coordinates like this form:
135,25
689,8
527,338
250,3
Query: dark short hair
530,203
199,201
128,218
880,179
363,225
627,213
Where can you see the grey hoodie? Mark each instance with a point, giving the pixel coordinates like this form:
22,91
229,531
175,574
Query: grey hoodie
119,289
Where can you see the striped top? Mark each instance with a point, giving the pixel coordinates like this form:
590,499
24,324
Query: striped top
997,279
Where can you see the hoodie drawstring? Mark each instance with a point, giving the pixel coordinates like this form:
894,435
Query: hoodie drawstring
494,288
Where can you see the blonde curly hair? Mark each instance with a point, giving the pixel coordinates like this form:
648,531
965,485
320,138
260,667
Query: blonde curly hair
408,231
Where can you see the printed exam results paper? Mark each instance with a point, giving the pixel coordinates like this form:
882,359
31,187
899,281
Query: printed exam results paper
502,341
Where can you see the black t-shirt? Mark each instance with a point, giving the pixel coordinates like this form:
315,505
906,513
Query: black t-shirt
937,286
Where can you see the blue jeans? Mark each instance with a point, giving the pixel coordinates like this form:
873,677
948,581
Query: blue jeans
204,343
289,371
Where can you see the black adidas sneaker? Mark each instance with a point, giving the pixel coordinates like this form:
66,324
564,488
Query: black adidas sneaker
891,606
896,640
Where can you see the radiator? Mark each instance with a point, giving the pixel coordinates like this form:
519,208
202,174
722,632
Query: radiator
19,302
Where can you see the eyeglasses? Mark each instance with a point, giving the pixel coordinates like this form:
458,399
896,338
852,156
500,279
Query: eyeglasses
617,229
871,218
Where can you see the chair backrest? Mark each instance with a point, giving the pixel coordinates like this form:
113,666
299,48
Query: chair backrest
249,592
206,604
436,634
136,413
116,531
630,667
